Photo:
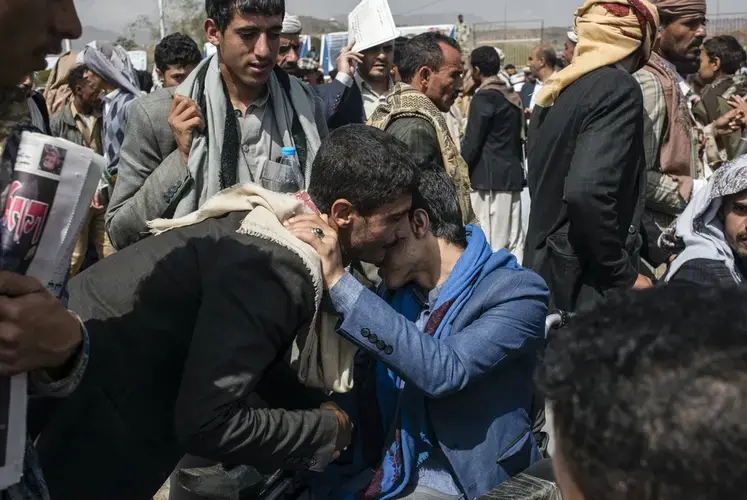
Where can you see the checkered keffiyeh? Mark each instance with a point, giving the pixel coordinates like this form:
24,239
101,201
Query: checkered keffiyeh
113,130
308,64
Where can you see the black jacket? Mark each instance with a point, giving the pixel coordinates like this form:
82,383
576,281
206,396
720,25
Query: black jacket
492,143
586,168
186,329
343,105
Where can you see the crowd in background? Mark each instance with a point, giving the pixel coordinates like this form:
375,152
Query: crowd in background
338,287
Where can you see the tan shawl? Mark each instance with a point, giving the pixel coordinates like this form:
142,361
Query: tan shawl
324,359
676,156
406,101
497,83
57,93
608,32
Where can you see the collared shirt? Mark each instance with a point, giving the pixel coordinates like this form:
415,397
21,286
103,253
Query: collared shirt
261,141
89,128
538,86
371,98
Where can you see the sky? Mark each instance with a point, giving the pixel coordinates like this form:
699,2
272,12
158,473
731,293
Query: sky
115,14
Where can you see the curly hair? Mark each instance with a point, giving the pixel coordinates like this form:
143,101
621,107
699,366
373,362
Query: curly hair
649,395
176,50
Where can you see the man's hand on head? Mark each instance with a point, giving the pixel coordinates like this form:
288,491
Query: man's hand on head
316,231
36,330
347,59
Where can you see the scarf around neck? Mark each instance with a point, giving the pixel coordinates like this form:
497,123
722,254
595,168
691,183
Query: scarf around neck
406,101
214,157
497,83
403,407
699,233
323,359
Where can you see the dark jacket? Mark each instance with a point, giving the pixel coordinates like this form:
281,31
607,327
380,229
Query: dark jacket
526,93
706,272
343,105
420,137
185,327
492,143
586,167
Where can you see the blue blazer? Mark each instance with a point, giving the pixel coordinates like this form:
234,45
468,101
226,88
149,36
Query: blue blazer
342,105
477,381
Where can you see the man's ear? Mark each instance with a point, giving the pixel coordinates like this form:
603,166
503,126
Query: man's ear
716,62
160,74
420,223
342,213
212,33
424,76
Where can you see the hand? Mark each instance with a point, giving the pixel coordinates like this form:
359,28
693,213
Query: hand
96,202
328,248
184,118
347,59
36,331
642,283
344,430
738,102
731,121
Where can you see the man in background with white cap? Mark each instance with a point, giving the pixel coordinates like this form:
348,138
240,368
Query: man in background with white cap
570,47
290,45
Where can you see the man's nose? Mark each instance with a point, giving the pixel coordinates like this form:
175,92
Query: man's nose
66,20
702,31
293,56
262,46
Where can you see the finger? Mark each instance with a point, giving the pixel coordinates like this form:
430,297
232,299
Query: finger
10,335
17,285
349,46
194,123
179,102
304,218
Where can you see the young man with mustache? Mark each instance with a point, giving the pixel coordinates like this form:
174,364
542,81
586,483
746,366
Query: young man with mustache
226,124
710,238
458,325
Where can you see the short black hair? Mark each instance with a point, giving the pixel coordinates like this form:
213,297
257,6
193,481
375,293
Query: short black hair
487,60
144,80
176,50
423,50
363,165
547,52
399,45
76,76
222,11
728,50
649,394
437,195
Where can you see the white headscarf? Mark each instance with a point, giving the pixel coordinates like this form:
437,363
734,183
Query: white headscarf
112,63
292,25
700,229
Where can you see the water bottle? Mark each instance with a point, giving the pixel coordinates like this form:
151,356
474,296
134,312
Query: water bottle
291,177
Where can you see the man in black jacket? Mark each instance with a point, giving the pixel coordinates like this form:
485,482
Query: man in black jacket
190,327
586,160
492,148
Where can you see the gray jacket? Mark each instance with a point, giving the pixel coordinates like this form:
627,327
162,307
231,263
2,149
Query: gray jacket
152,173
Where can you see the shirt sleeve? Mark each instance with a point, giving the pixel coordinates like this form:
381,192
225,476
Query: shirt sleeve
43,385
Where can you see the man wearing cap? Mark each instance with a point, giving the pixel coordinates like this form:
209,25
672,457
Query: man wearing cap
570,47
671,137
290,45
585,159
363,78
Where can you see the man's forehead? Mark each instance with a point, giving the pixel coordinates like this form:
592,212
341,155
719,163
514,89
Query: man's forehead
256,21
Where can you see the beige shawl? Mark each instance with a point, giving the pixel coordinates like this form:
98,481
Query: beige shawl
324,359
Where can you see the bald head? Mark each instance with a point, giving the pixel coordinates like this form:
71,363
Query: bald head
542,61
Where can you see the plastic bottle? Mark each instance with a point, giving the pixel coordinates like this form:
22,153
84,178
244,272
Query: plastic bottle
290,177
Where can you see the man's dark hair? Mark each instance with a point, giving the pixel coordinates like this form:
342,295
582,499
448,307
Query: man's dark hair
649,395
363,165
728,50
437,195
176,50
222,11
487,60
423,50
399,45
144,80
547,52
77,76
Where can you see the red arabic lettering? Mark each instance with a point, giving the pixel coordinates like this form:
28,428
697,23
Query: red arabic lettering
24,216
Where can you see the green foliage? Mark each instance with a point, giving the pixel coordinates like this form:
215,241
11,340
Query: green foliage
184,16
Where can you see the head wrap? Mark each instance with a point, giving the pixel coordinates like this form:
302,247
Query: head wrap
682,9
699,232
572,36
112,63
292,25
608,32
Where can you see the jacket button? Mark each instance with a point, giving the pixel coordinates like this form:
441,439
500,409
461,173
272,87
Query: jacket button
366,332
388,350
373,338
632,230
381,345
312,462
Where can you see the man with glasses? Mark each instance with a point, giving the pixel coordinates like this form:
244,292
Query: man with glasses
362,80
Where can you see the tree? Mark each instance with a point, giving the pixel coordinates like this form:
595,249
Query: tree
127,43
184,16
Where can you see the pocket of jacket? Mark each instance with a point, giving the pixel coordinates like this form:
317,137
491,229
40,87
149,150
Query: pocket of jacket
280,178
563,272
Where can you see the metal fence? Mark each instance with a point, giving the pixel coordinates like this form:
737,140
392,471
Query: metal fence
729,24
515,38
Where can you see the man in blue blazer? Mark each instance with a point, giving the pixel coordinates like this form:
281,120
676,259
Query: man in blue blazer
452,344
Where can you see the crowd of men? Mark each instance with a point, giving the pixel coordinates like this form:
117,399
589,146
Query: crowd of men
331,290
